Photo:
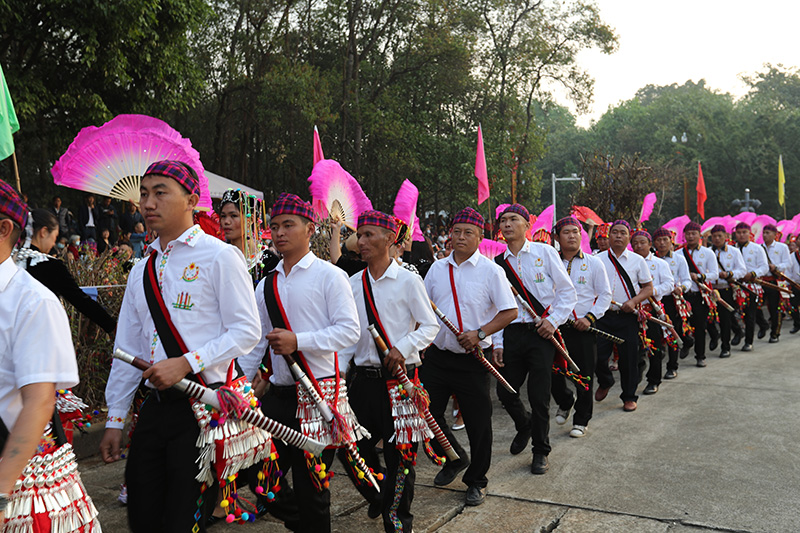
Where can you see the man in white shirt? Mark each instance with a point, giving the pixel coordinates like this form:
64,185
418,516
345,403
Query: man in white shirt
663,284
793,273
662,239
474,294
36,358
209,299
631,284
756,265
393,299
307,313
593,293
524,349
731,266
778,259
702,269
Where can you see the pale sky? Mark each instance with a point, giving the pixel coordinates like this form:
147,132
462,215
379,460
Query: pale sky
665,42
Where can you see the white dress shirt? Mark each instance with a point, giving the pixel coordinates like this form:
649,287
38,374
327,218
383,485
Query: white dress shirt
483,291
663,282
35,340
706,262
679,270
732,261
777,254
590,280
793,272
755,259
636,268
543,274
322,313
209,295
402,303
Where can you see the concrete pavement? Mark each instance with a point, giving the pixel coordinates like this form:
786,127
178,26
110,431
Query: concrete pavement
717,449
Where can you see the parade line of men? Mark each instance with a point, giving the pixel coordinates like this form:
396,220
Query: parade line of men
349,363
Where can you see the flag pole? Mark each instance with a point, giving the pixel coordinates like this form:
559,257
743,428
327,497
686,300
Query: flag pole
19,189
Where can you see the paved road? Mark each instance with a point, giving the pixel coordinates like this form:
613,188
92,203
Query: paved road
717,449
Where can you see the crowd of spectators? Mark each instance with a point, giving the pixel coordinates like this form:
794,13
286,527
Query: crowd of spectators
93,228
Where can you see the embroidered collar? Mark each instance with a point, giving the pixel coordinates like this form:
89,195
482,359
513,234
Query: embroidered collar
187,237
526,249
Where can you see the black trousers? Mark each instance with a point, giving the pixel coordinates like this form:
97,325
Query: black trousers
727,319
656,334
369,399
625,326
773,300
795,304
161,467
582,347
672,312
280,404
751,311
699,320
447,373
527,354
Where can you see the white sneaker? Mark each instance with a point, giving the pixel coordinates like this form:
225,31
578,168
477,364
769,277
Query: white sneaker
561,416
578,431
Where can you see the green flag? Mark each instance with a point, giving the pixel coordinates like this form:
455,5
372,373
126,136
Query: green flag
8,119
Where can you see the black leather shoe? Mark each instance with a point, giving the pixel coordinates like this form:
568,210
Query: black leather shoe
724,353
713,343
449,472
773,339
475,495
794,329
747,348
671,374
520,441
737,338
539,465
762,333
685,351
701,363
651,388
374,509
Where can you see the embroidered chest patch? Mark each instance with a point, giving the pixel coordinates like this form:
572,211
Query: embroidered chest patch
539,262
191,272
584,267
581,280
539,278
652,266
184,302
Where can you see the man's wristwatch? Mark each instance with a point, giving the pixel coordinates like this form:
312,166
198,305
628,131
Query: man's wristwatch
481,334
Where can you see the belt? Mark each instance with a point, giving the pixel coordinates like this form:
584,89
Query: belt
283,391
523,325
380,372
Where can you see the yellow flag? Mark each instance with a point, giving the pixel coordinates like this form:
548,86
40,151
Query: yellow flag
781,181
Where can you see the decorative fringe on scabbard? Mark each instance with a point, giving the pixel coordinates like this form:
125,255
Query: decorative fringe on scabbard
583,381
409,425
646,344
228,445
345,427
685,312
438,460
50,496
407,461
359,476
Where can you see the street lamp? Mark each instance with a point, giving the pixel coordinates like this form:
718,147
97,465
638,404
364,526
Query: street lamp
574,177
685,139
748,204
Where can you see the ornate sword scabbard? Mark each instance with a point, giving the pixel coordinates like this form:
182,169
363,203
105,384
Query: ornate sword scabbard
408,385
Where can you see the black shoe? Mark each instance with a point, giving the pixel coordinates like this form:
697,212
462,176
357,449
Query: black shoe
794,329
688,342
651,388
685,350
374,509
211,520
737,338
671,374
475,495
762,332
724,353
539,465
713,343
773,339
701,363
747,348
520,441
449,472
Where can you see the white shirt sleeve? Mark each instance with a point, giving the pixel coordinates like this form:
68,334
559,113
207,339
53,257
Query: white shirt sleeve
666,282
422,312
711,268
344,330
601,288
565,295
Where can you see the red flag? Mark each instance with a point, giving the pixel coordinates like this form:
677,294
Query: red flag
701,192
318,155
480,170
